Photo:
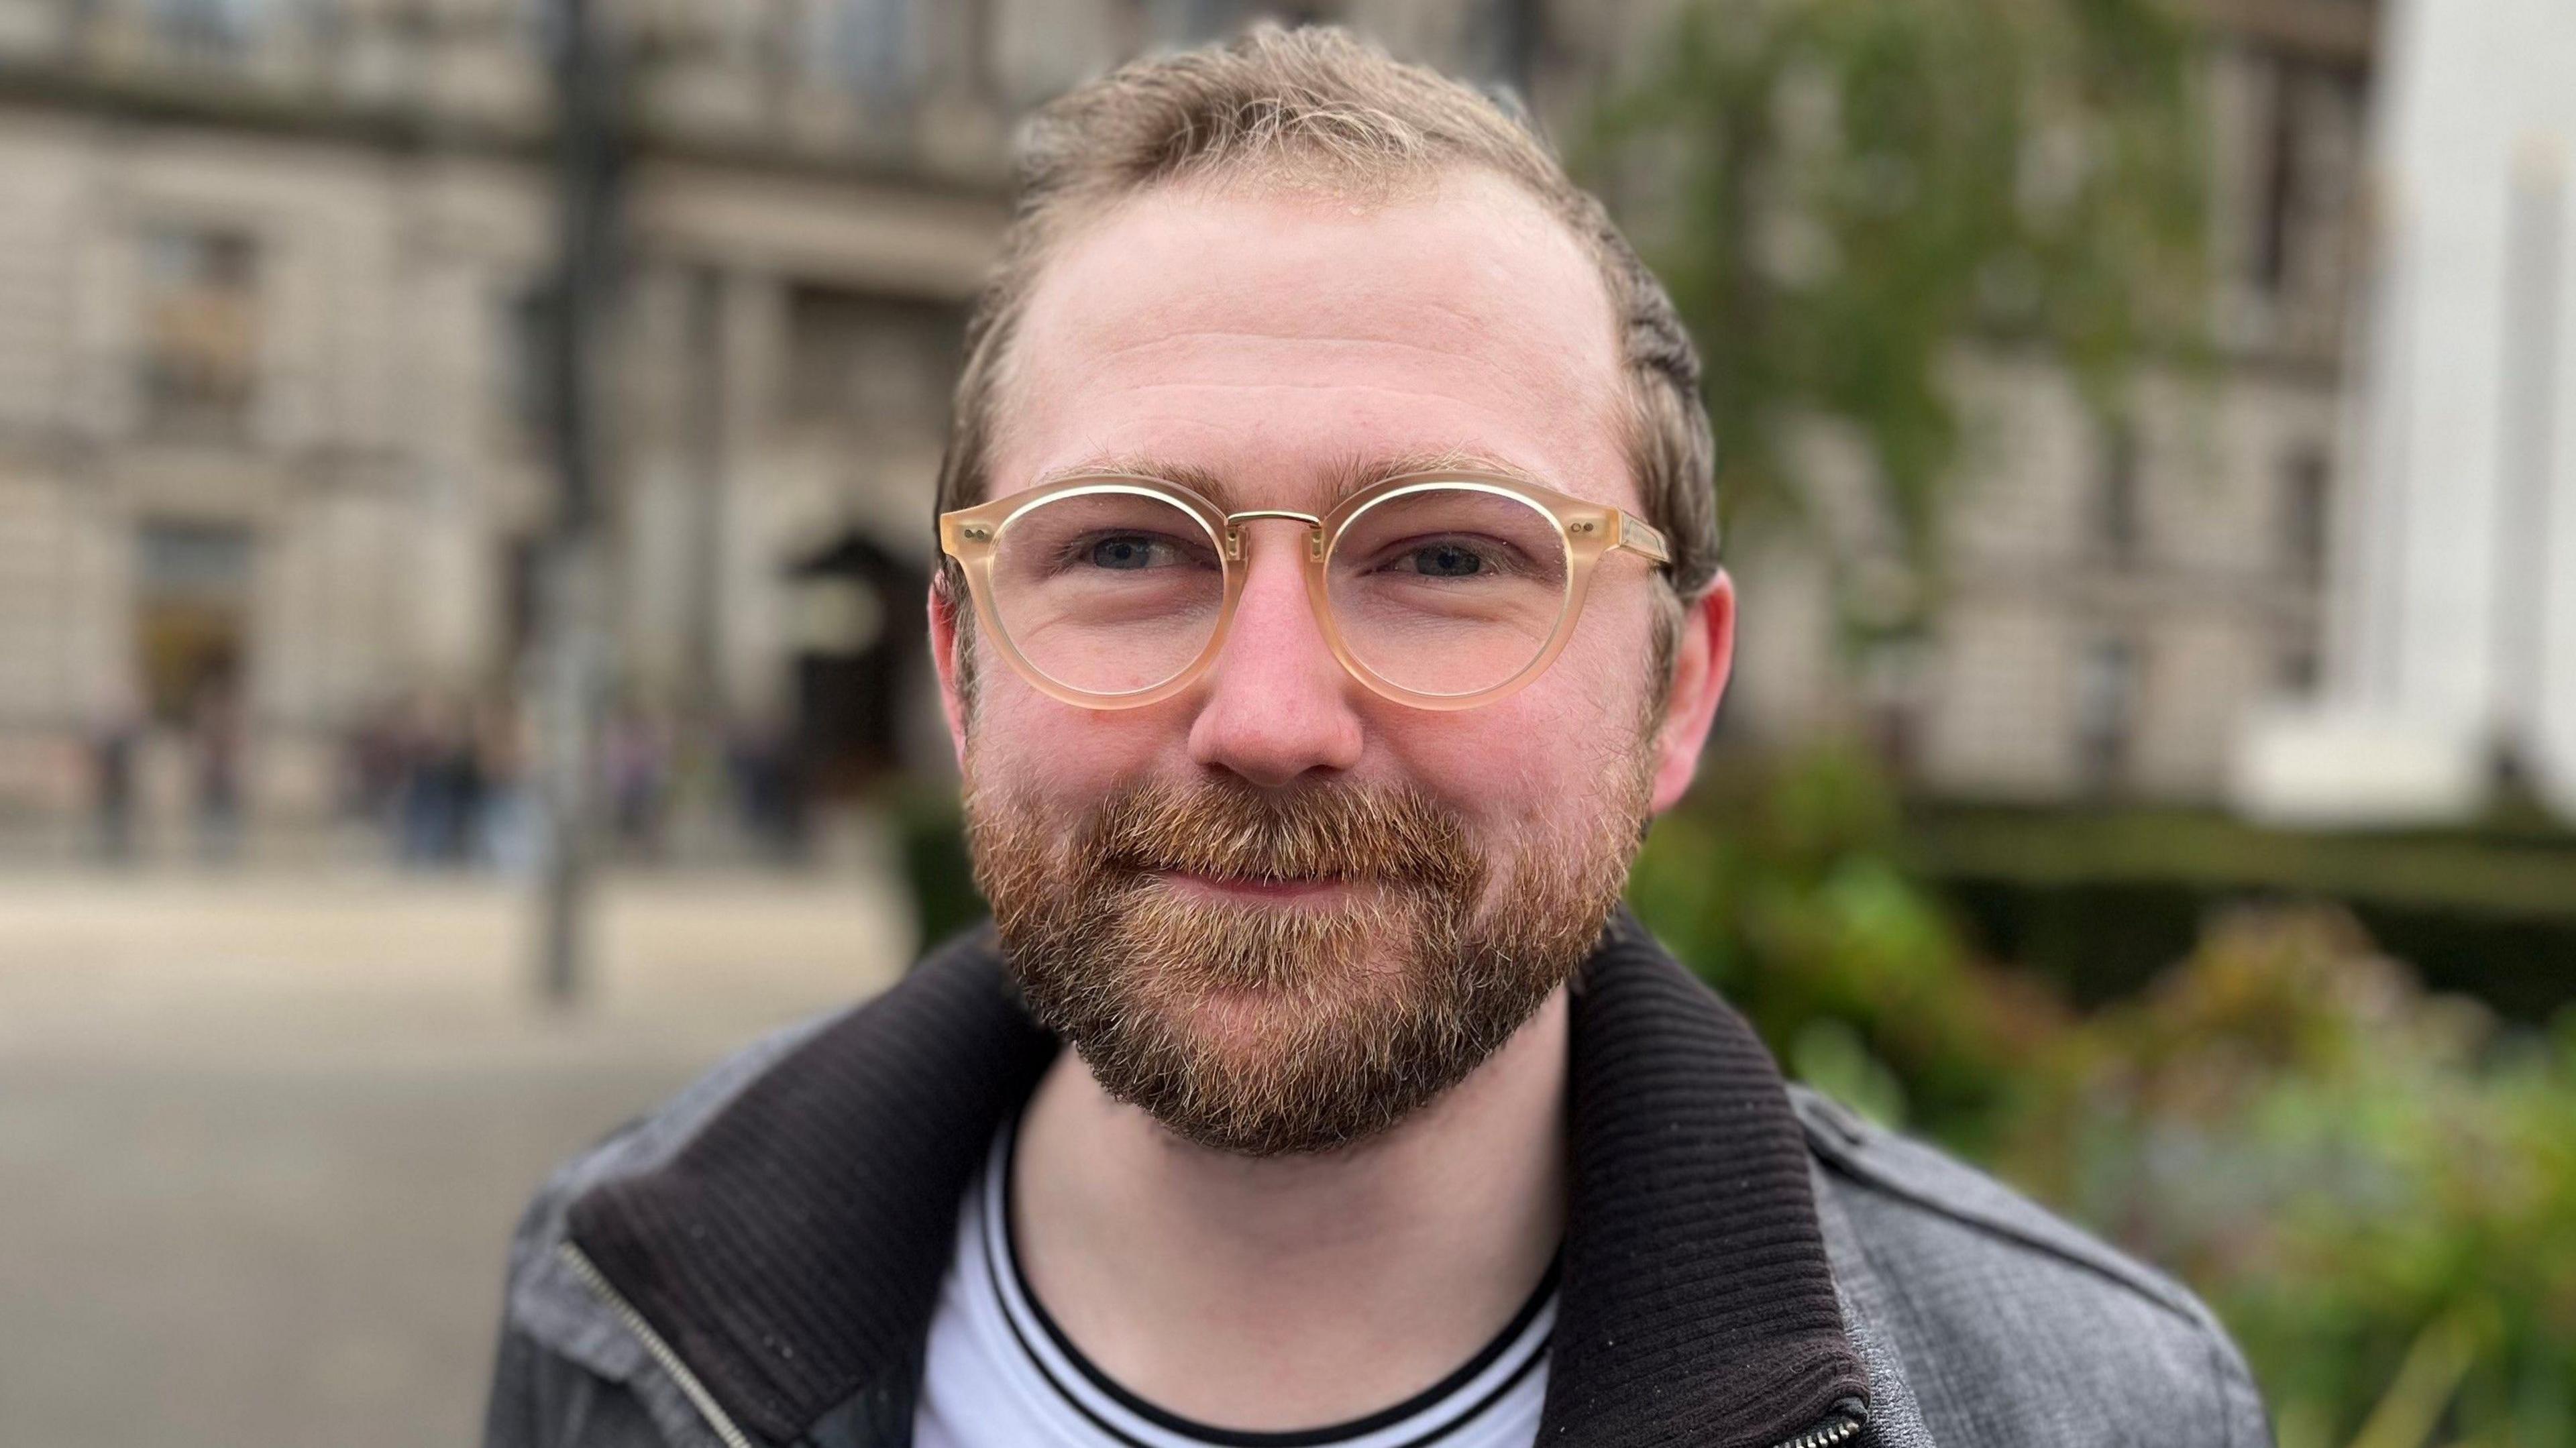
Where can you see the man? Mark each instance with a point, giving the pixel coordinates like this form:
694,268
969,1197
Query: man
1331,598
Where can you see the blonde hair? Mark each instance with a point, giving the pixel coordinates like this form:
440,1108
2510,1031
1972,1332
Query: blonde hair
1318,103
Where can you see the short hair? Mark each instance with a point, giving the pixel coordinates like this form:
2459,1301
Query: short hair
1318,102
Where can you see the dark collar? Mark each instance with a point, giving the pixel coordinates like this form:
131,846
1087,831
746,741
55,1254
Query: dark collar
792,1253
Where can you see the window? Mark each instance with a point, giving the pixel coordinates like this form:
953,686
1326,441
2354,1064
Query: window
867,48
2304,175
1190,21
2106,687
200,364
2304,505
191,612
2299,670
1036,49
1194,21
215,29
2115,498
525,361
2280,182
864,363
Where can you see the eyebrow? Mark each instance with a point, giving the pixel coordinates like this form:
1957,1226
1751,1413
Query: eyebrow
1349,475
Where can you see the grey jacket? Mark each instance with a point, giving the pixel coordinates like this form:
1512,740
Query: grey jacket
1747,1264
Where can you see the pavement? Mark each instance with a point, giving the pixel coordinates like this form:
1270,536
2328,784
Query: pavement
263,1135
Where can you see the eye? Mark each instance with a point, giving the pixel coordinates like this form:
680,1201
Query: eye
1449,556
1447,560
1131,551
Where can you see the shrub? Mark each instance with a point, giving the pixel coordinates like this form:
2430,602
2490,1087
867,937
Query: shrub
2373,1186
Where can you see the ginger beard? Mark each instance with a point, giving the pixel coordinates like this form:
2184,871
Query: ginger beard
1267,1028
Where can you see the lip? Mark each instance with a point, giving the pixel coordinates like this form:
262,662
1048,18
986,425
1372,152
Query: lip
1277,892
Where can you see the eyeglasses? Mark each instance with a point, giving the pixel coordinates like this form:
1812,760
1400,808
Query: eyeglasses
1441,591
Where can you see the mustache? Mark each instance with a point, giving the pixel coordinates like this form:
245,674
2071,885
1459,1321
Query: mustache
1389,834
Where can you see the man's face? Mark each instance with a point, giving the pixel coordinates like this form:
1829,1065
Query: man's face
1278,910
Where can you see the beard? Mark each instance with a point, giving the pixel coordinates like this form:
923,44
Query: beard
1266,1029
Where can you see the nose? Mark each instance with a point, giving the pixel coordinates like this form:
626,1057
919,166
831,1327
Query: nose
1277,703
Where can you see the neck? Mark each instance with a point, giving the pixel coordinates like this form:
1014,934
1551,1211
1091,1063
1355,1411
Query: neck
1285,1293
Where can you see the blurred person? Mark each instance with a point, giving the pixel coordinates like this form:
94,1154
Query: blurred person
115,747
1332,600
635,756
760,761
508,824
442,785
411,740
215,742
373,762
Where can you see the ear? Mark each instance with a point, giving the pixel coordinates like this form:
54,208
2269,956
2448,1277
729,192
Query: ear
944,645
1703,659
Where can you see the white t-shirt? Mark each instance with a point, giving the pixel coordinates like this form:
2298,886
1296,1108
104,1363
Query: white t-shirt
1001,1374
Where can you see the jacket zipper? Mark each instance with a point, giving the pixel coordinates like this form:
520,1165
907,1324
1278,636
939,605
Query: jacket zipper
696,1392
1842,1427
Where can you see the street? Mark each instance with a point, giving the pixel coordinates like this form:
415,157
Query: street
263,1137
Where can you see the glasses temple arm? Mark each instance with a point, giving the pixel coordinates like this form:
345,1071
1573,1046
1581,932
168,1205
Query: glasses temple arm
1638,536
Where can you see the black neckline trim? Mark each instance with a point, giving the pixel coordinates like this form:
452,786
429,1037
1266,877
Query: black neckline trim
791,1253
1000,1195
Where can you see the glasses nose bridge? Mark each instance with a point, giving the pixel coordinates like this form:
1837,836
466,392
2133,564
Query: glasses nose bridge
1234,530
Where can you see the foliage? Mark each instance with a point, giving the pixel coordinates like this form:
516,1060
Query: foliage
1836,192
930,837
1787,897
2374,1187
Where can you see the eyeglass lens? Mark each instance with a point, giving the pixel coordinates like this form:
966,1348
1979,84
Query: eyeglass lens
1441,589
1447,590
1107,592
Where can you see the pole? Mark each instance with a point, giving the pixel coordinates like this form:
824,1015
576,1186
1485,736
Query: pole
2527,448
1520,31
572,651
703,712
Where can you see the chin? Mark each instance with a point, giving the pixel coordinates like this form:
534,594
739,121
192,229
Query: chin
1237,1021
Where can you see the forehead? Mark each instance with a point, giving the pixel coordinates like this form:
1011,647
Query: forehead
1284,341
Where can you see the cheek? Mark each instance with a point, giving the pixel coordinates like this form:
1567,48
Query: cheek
1542,763
1025,743
1555,753
1533,767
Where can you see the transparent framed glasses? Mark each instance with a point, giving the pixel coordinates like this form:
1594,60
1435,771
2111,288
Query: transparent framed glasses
1440,591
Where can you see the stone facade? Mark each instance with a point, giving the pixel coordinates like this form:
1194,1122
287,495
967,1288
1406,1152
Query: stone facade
267,282
2118,605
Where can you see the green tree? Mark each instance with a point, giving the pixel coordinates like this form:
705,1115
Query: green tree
1839,192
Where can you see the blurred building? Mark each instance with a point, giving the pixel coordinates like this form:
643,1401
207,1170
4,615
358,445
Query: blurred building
271,284
270,471
271,290
2121,598
2453,678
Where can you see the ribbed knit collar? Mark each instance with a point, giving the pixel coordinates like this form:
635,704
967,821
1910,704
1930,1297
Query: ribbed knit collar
792,1253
